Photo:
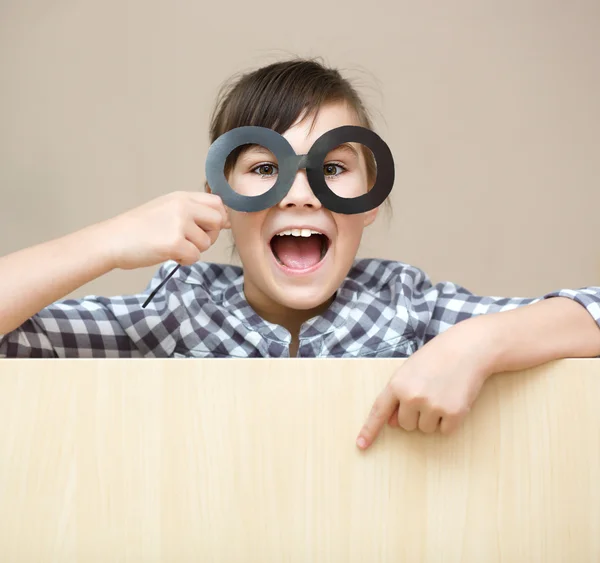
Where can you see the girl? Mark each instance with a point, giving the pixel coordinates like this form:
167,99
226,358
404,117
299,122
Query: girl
297,296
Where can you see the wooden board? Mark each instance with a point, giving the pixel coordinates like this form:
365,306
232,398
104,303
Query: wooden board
255,461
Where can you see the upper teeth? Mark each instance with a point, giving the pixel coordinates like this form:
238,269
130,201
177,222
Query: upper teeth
298,233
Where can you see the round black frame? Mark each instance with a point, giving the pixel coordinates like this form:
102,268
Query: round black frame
289,163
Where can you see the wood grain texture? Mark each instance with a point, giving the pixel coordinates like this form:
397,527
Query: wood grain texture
255,461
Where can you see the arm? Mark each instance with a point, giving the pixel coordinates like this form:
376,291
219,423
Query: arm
433,309
177,226
104,327
40,275
530,336
464,339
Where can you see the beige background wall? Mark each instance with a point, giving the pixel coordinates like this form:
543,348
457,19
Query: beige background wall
491,110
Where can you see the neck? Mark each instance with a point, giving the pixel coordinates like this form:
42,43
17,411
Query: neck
290,319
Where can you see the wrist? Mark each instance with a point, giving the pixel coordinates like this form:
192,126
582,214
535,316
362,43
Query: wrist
499,336
92,243
486,339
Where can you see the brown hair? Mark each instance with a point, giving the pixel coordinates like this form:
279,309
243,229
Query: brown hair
275,96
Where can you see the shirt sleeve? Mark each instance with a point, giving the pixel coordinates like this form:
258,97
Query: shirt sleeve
101,327
436,307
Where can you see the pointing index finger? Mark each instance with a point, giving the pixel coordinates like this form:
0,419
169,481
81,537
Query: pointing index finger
382,409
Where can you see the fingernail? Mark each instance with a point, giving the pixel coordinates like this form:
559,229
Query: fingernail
361,442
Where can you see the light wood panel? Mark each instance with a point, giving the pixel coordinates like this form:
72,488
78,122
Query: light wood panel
254,461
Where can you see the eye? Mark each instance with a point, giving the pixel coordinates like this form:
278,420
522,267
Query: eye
265,170
333,169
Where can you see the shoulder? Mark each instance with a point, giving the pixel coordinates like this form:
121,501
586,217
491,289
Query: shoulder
377,275
208,279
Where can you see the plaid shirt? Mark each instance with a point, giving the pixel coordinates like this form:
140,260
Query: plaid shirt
382,309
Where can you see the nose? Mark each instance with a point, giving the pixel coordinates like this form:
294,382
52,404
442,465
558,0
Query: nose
300,194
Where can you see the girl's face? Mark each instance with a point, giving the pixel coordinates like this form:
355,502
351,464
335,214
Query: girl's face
299,272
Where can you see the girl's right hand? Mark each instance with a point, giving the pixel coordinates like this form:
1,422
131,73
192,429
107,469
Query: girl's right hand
178,226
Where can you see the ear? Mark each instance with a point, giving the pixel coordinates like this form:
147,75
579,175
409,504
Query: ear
370,216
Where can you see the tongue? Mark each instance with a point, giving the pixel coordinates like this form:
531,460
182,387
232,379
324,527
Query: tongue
297,253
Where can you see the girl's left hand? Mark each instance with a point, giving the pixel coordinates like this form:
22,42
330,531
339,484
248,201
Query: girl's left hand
436,386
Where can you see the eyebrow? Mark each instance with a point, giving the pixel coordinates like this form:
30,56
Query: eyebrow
255,148
346,147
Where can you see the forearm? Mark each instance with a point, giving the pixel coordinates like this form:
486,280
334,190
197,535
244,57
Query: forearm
35,277
535,334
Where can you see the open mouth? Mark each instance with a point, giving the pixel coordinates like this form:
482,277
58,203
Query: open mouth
299,249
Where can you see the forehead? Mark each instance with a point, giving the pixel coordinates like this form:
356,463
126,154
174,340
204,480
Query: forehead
308,128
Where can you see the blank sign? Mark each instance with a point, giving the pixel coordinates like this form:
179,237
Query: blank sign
255,461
